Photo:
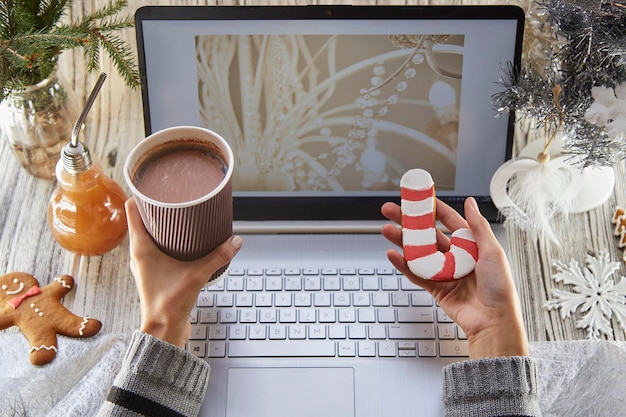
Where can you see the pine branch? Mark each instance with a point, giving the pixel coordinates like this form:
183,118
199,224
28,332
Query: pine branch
31,39
100,25
52,10
59,39
110,9
121,55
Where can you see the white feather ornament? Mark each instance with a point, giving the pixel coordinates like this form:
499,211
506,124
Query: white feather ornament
531,192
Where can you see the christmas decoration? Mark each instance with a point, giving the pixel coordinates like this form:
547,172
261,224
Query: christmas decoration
32,36
554,86
572,86
530,192
596,295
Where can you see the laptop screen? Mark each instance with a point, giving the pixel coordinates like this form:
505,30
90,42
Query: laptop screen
326,107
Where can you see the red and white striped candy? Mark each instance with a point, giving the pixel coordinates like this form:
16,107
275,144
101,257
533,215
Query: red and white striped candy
419,235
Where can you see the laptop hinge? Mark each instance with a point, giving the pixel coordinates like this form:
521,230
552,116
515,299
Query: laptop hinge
287,227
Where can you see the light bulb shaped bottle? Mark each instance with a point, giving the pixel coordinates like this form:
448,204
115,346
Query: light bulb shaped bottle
86,213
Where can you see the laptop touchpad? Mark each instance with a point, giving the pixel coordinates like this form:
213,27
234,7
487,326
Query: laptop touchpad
288,392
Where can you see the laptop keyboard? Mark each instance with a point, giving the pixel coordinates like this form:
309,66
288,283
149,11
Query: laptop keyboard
330,312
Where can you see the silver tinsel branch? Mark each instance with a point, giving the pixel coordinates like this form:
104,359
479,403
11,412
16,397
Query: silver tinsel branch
590,37
590,146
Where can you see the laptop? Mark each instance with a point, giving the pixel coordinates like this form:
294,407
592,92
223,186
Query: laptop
325,108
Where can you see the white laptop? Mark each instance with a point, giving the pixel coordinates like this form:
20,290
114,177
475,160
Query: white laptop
325,108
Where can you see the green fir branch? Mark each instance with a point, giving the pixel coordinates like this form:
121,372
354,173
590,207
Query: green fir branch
110,9
120,54
32,38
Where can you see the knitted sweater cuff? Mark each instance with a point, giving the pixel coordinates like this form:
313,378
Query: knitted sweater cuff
163,374
505,386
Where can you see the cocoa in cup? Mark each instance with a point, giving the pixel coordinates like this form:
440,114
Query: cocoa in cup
181,178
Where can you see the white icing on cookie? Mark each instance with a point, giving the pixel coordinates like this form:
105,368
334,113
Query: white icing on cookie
43,347
63,283
83,324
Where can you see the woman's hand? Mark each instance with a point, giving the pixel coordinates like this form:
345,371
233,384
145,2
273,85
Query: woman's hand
485,303
168,288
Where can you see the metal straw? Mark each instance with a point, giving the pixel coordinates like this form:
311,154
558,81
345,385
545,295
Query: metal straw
75,156
88,104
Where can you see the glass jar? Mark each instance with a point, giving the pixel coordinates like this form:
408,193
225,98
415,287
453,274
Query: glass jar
86,213
37,121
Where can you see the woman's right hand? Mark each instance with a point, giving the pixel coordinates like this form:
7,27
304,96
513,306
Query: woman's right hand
485,303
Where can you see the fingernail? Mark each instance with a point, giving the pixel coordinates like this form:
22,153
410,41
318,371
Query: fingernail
474,204
236,241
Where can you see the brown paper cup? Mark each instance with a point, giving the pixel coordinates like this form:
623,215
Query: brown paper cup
186,231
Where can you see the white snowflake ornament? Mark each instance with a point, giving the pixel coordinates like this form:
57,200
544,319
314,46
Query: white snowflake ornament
595,294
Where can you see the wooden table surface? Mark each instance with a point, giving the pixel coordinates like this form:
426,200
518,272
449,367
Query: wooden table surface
105,287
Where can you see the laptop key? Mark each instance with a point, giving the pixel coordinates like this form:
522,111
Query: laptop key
386,349
453,348
205,299
416,315
254,348
216,350
332,283
237,332
351,283
293,283
198,332
274,284
234,283
217,332
446,331
197,348
208,316
411,331
389,283
312,283
346,349
254,284
257,332
426,349
369,283
367,349
367,315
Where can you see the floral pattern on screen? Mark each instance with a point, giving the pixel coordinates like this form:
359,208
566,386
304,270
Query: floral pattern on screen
333,113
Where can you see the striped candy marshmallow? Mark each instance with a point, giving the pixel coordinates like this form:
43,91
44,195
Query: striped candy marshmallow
419,235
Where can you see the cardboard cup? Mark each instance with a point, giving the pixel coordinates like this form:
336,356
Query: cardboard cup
189,230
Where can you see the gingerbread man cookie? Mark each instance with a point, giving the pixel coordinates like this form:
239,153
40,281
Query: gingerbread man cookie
39,314
619,220
419,235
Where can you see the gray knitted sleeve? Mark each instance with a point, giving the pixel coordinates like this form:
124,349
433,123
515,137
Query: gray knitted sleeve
157,379
496,387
